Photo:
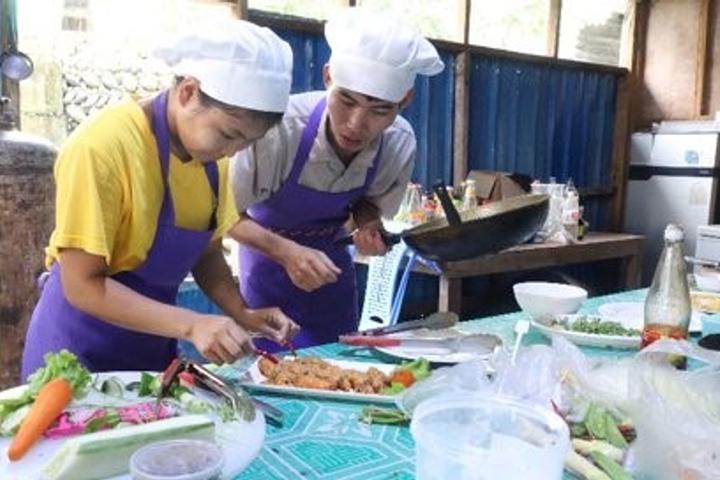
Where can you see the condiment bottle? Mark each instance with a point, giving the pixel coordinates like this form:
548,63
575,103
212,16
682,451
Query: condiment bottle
667,306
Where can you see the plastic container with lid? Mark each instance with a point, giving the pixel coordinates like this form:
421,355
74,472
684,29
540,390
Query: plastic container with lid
182,459
475,437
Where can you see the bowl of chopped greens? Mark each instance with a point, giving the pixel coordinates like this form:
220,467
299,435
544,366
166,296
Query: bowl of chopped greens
592,331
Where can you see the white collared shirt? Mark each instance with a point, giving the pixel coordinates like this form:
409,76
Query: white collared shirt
261,170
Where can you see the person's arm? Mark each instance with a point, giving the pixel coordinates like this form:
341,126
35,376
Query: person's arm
384,197
213,275
88,287
367,221
307,268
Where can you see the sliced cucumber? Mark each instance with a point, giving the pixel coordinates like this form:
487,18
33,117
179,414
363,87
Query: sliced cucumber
107,453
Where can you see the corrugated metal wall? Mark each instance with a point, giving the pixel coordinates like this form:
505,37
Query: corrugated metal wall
544,121
430,113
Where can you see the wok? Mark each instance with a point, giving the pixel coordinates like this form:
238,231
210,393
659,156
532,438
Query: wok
478,231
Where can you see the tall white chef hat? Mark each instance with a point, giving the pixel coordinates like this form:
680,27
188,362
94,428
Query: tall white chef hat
377,55
237,63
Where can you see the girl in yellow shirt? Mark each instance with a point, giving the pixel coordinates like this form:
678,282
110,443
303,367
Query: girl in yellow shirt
142,201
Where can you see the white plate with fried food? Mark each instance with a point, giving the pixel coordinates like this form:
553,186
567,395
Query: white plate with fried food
322,377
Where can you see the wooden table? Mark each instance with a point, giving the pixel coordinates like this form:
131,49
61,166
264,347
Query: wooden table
594,247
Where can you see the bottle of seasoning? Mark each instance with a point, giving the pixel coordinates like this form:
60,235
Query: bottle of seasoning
571,211
582,224
667,306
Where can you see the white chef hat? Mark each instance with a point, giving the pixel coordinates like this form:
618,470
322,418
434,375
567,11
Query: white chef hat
377,55
237,63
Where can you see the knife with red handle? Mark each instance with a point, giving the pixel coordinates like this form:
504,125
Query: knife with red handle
369,341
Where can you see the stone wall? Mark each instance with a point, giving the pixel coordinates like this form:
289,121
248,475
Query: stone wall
87,85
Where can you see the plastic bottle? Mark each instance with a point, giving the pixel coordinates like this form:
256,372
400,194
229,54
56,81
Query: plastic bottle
667,306
571,211
403,213
469,199
416,215
429,206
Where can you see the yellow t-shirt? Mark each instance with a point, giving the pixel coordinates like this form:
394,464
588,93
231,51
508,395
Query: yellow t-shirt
110,189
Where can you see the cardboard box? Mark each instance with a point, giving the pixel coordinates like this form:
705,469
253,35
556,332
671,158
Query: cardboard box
491,185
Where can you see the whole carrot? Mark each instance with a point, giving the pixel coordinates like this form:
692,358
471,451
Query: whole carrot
52,399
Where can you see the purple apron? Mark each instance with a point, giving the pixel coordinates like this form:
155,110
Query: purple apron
311,218
99,345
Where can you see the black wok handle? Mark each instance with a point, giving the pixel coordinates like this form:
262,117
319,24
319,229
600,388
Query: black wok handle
451,214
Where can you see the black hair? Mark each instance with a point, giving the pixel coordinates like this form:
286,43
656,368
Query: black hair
269,118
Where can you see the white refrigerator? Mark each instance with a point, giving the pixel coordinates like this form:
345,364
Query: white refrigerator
672,179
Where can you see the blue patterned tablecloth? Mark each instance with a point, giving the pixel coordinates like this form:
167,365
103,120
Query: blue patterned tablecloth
325,440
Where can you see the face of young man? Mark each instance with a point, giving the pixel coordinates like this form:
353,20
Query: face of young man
356,120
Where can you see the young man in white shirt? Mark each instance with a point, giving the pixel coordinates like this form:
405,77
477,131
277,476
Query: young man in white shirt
344,153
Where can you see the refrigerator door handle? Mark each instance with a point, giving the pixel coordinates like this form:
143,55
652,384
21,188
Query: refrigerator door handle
645,172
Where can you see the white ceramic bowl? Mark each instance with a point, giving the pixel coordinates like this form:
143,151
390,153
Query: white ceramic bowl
543,300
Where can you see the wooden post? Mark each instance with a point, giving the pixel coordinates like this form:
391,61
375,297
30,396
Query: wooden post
701,58
553,28
465,20
8,41
450,295
620,161
461,106
626,107
242,9
461,112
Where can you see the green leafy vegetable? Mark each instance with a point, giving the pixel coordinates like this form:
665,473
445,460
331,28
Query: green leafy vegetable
394,388
57,364
614,436
420,368
595,325
609,466
60,364
110,420
385,416
595,422
149,385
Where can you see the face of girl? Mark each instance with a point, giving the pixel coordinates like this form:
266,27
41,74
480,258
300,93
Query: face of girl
208,132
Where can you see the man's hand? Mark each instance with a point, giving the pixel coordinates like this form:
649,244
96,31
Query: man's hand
220,339
368,241
271,323
309,269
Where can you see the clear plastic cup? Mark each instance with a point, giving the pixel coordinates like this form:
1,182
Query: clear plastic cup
471,437
181,459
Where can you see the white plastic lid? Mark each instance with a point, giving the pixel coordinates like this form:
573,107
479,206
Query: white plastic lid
182,459
674,233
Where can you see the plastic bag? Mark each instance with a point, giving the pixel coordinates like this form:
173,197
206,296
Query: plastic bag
533,378
676,413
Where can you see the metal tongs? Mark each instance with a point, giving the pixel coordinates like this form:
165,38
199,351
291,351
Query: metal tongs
434,321
240,401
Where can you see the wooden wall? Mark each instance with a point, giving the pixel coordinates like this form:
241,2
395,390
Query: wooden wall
676,42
